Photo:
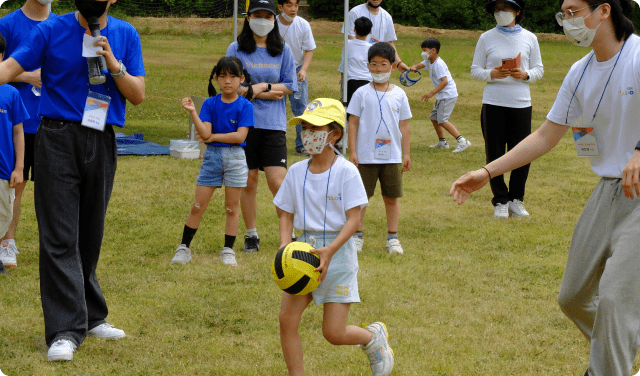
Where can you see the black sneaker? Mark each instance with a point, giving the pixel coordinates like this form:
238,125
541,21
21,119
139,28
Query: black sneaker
251,244
302,153
2,270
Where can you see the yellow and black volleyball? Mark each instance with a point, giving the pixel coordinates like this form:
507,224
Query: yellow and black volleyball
294,269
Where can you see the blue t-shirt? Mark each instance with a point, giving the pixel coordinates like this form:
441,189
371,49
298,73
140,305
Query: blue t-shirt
227,117
12,112
56,45
15,27
263,67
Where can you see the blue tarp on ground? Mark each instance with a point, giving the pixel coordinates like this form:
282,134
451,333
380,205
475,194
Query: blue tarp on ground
134,144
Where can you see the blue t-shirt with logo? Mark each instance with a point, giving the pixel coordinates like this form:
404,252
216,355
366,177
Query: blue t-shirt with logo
227,117
56,45
12,113
263,67
15,27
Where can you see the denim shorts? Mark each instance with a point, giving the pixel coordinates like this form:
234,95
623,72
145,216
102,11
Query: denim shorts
223,163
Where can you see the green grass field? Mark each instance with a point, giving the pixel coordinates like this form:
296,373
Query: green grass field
471,295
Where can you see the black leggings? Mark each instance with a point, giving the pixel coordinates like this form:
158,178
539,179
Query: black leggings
505,127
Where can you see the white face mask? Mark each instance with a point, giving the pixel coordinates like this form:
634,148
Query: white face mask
380,78
286,17
504,18
577,32
45,2
425,56
314,141
261,26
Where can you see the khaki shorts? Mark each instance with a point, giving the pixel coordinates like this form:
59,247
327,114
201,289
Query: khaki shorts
390,176
7,195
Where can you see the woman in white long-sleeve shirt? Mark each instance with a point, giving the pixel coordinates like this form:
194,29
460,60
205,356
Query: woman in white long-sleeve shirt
506,100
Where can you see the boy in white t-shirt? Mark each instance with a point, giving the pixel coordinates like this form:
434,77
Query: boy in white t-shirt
297,34
323,196
379,138
446,94
357,68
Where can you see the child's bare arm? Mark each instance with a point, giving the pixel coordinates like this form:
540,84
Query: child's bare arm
18,145
286,227
417,67
203,128
439,88
327,252
406,144
354,123
236,137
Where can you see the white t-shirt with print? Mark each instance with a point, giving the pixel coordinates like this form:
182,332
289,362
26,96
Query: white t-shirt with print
437,70
320,201
379,113
617,122
298,37
382,29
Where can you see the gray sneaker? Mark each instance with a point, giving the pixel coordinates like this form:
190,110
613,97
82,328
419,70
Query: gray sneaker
251,244
440,145
182,256
378,351
463,144
8,252
228,256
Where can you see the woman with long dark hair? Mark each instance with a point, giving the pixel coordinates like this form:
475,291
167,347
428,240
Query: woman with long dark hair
600,290
270,63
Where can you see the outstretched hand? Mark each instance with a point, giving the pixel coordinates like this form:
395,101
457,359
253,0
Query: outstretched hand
467,183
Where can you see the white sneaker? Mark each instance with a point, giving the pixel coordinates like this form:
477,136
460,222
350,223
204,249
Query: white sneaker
440,145
106,331
378,350
358,242
516,208
182,256
228,256
61,349
8,252
501,210
463,144
393,246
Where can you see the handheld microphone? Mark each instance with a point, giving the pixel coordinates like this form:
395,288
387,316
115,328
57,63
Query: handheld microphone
97,65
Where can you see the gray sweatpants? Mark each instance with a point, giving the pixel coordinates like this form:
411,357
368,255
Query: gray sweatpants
600,289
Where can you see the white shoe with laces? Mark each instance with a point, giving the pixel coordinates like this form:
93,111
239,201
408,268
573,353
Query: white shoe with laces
228,257
106,331
61,349
393,246
378,351
516,208
440,145
8,252
463,144
501,210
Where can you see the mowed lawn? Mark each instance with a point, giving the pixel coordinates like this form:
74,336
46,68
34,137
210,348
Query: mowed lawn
471,295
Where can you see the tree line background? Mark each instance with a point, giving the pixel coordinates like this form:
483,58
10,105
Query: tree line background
441,14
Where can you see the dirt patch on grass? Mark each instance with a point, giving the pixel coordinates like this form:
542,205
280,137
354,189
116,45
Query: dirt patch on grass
201,26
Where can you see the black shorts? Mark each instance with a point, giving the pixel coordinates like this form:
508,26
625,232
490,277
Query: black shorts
266,148
29,156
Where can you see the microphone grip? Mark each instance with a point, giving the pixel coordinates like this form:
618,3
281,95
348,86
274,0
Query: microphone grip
98,64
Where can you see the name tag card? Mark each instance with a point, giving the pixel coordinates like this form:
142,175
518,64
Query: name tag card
585,141
95,111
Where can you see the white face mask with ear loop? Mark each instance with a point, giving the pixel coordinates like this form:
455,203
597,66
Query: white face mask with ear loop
261,26
314,141
380,78
577,31
45,2
504,18
286,17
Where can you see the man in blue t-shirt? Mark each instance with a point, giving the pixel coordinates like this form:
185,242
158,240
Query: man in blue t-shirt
12,115
76,157
15,27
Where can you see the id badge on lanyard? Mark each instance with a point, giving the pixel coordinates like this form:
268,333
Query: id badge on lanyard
584,138
383,146
95,111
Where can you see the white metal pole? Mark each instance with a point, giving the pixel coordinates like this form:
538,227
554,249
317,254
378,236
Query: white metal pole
345,75
235,20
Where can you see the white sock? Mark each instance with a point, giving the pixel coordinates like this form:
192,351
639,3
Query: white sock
252,232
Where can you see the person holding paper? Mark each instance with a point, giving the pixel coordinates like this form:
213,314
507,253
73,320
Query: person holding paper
76,154
600,289
506,100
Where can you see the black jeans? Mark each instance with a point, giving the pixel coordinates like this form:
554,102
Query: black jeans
505,127
75,171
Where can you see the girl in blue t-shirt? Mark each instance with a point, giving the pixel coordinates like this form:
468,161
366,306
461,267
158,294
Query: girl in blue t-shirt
223,124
